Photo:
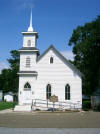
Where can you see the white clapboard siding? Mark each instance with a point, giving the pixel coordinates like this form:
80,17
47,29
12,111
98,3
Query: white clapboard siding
57,75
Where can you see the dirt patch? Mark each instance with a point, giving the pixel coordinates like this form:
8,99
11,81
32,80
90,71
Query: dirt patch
51,120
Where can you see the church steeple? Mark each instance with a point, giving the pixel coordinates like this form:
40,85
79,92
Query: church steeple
30,28
30,37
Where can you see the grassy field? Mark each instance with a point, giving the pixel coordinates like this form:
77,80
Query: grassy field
7,105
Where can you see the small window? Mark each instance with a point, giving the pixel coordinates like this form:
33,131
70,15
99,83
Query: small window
27,86
48,91
51,60
29,43
67,92
28,62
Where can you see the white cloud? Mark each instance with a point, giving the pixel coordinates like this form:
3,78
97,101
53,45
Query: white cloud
3,65
68,54
23,4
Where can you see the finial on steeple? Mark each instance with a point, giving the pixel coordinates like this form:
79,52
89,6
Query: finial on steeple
30,29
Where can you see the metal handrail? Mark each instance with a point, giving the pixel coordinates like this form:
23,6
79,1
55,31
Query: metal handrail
49,104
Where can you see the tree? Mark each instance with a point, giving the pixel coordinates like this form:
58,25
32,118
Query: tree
9,77
14,61
86,48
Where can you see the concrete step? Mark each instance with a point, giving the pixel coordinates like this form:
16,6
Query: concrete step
22,108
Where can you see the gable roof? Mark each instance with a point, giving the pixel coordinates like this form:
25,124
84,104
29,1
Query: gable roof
71,65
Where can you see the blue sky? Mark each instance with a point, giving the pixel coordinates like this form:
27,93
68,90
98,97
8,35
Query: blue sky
54,20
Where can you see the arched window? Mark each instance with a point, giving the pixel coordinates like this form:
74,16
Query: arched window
27,86
67,92
28,60
51,60
48,91
29,43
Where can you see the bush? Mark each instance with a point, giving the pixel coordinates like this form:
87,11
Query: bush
7,105
86,105
37,109
97,108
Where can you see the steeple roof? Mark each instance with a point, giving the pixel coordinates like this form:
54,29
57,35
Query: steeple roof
30,28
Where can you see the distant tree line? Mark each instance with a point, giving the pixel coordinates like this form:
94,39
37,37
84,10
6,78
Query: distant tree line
86,48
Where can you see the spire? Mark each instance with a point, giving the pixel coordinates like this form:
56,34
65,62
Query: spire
30,28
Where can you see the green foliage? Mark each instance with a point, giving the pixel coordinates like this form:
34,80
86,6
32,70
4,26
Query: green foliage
14,61
86,105
7,105
97,108
9,77
86,48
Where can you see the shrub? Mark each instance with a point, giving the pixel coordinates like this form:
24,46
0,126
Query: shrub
86,105
96,108
7,105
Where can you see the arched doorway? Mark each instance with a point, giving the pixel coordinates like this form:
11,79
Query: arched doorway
27,93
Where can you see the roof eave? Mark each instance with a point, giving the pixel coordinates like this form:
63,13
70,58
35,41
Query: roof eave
30,33
35,74
28,50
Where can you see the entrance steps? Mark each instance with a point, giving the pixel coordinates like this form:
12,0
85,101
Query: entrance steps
22,108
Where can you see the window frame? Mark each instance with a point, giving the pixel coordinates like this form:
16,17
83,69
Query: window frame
29,43
67,92
48,92
28,62
51,60
27,86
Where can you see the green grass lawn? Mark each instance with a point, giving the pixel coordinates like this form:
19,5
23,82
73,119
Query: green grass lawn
7,105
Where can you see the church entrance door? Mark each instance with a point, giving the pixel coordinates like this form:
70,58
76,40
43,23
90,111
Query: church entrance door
27,97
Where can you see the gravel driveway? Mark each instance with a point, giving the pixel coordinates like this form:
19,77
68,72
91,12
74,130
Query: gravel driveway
50,120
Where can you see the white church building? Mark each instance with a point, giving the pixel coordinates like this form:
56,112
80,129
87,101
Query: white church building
45,75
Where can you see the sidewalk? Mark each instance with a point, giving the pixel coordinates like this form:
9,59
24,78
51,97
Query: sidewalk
6,111
49,131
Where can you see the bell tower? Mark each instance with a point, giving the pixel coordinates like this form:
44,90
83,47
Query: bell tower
29,52
28,65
